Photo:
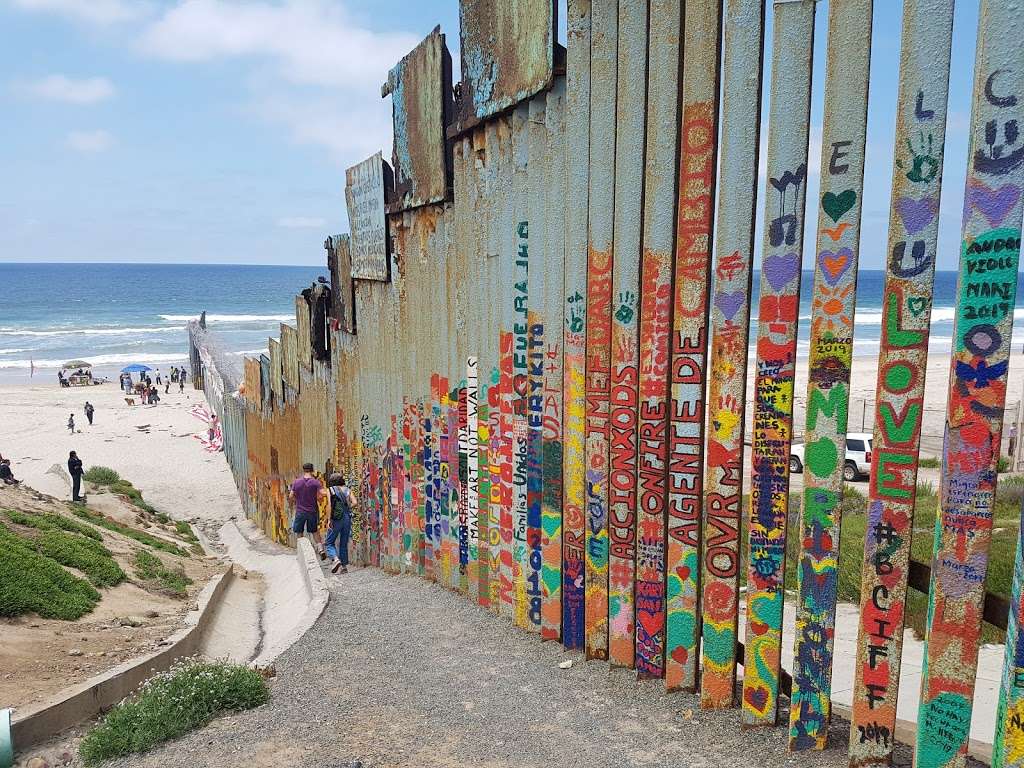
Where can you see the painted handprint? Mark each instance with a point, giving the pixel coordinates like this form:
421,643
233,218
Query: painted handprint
925,165
726,417
627,307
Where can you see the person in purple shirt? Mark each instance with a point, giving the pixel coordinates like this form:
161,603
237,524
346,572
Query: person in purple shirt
304,492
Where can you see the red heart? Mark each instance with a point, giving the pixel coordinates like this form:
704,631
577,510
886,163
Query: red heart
758,628
683,572
680,655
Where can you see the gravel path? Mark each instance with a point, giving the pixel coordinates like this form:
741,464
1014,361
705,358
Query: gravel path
401,672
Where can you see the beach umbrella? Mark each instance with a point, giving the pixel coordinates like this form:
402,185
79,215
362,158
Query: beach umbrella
135,368
76,364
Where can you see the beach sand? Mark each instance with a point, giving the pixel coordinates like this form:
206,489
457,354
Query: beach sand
151,446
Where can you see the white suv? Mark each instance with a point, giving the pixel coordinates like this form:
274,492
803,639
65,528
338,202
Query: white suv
858,456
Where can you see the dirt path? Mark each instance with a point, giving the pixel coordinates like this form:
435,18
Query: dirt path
400,672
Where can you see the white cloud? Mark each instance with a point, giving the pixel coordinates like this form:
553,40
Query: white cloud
93,11
315,42
89,141
88,90
301,222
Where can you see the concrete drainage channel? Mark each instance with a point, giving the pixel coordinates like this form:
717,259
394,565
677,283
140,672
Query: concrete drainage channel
235,619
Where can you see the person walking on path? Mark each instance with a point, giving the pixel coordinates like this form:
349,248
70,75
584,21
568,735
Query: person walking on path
304,492
71,423
336,544
89,410
75,468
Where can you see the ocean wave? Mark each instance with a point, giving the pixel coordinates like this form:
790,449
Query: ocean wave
88,331
13,350
251,352
99,360
230,318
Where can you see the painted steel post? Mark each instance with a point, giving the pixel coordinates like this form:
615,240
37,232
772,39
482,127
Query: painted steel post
603,67
979,369
730,326
577,140
520,368
698,154
844,133
907,299
629,180
1008,742
785,194
554,296
655,326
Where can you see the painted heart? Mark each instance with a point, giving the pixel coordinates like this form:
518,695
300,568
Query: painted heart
679,654
994,204
779,270
836,206
834,265
917,305
756,697
837,231
729,303
683,572
916,214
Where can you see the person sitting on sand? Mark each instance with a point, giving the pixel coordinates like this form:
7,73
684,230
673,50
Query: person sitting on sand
304,492
6,474
75,468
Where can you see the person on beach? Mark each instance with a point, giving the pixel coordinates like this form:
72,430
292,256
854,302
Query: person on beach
181,384
71,423
75,468
158,377
6,474
89,410
304,493
342,501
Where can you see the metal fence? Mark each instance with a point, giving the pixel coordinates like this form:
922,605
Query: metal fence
544,404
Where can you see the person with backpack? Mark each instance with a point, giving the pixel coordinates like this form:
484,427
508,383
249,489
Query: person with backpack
342,501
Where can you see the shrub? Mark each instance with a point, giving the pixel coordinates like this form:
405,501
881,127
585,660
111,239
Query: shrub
150,568
88,556
51,521
1010,492
32,583
185,531
101,475
929,462
173,703
854,502
140,536
1003,465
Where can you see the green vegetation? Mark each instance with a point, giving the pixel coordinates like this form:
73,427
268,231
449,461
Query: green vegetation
150,568
88,556
134,495
171,704
929,462
50,521
1003,464
33,583
101,475
185,531
140,536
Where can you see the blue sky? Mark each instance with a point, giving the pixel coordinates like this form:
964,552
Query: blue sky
219,130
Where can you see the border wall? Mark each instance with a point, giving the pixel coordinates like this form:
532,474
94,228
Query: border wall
533,363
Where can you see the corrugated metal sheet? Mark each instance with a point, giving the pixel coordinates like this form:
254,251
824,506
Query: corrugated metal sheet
276,371
303,339
421,91
507,55
290,358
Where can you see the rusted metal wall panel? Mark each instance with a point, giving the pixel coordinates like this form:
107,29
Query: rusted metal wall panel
507,55
367,185
276,370
252,390
290,357
913,229
421,96
785,193
577,141
979,368
303,338
660,167
844,134
688,367
730,321
603,67
339,264
630,118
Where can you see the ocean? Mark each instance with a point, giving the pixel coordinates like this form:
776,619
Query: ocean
112,315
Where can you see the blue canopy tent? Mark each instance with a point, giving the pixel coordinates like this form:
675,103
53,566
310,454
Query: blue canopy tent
135,368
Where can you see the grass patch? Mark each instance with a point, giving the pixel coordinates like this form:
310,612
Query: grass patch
185,531
929,462
140,536
171,704
123,488
1003,465
51,521
88,556
33,583
150,568
101,475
